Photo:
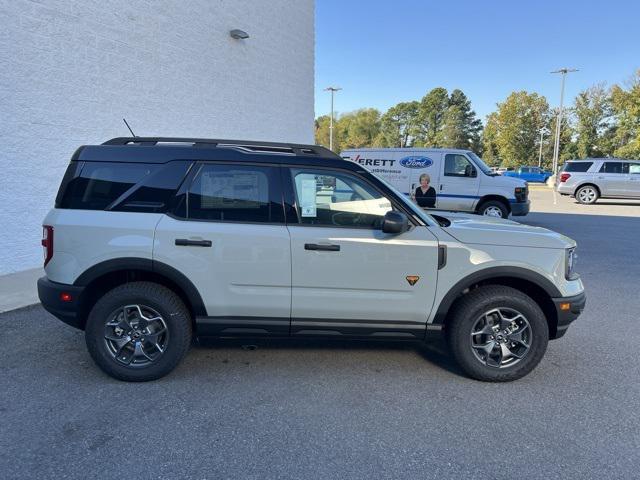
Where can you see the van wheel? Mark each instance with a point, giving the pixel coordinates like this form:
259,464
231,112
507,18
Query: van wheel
497,334
138,331
587,194
493,208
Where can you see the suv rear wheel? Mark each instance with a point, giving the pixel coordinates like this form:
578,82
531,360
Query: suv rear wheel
497,334
493,208
587,194
138,331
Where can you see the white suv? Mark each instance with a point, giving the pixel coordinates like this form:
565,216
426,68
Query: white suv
155,240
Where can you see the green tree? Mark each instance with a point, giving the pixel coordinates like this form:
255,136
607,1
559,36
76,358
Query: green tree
491,153
322,130
625,104
460,126
517,125
357,129
399,125
433,108
592,110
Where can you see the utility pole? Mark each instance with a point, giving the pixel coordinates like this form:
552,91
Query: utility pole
556,146
543,130
333,90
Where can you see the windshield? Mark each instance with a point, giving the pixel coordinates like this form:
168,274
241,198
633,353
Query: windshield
481,165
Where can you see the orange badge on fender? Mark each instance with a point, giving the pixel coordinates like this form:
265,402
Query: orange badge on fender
412,279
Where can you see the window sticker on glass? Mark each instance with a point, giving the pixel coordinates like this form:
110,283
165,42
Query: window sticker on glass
308,197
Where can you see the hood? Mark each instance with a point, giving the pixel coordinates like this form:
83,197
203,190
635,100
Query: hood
515,181
468,228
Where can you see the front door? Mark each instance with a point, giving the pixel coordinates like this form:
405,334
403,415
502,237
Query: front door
459,184
348,277
633,183
229,238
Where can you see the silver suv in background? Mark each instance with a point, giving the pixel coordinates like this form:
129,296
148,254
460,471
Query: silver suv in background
594,178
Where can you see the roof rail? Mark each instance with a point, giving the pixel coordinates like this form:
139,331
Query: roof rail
249,146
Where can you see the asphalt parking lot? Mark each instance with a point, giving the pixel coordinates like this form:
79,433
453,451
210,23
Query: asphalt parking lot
312,410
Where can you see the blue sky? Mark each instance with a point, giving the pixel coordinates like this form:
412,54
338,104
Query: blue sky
385,52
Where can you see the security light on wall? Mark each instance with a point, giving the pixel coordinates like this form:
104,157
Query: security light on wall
238,34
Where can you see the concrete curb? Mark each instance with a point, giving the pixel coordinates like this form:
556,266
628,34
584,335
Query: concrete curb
19,289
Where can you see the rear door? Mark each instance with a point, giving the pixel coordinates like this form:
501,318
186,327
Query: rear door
459,183
348,277
228,236
612,178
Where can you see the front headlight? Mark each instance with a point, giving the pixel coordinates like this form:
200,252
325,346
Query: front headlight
570,263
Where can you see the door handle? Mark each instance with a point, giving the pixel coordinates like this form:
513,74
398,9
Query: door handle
185,242
324,248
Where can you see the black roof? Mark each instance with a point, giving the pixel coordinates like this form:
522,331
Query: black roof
166,149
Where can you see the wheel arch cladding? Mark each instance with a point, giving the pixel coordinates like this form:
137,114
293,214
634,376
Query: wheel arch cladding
107,275
540,289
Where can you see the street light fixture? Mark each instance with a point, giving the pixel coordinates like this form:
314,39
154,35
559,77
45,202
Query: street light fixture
556,146
333,90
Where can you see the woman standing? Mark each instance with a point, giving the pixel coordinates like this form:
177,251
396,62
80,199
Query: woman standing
425,195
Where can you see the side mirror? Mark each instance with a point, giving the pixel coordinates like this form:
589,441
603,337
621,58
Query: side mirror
395,222
474,173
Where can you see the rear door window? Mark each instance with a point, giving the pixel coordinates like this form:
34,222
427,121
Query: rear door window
235,193
614,167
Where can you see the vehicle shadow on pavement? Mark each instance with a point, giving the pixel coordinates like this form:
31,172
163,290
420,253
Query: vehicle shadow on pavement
434,352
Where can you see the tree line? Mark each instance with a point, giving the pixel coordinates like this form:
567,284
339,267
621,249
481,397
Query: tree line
601,122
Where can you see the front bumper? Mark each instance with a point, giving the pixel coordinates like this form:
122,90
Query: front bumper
567,310
50,297
520,209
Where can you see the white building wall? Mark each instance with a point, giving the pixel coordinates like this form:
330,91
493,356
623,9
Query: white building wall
71,69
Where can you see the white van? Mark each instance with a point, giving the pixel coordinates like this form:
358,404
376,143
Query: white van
463,182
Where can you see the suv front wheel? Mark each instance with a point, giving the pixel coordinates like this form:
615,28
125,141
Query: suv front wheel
497,333
138,331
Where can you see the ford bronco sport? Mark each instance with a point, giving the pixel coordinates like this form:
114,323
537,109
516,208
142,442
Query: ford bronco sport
153,241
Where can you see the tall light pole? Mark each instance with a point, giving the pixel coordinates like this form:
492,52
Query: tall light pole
333,90
556,146
543,130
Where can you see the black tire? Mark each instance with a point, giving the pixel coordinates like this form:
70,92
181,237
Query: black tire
493,206
471,307
166,303
587,195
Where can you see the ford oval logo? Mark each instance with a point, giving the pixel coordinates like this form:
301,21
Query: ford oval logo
414,161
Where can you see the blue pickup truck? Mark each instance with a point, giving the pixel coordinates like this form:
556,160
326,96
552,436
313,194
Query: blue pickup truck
529,174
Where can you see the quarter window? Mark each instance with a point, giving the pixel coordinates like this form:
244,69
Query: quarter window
458,166
235,193
336,199
577,166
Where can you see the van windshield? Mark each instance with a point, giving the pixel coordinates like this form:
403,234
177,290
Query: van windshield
481,165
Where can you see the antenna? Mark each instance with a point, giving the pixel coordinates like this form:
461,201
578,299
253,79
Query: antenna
125,122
